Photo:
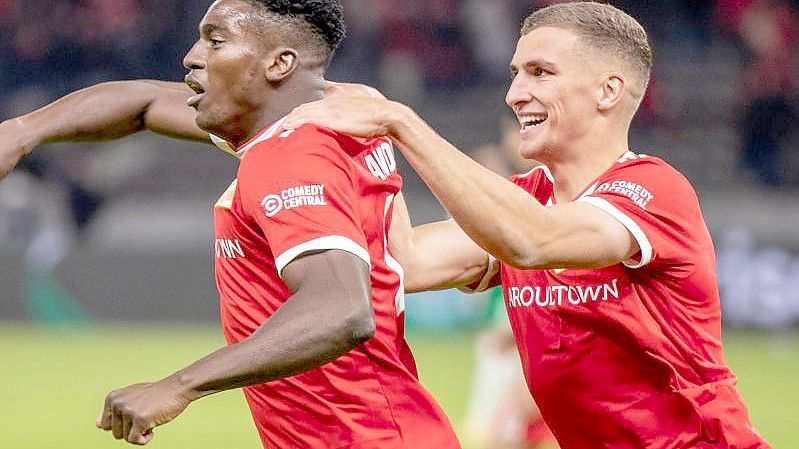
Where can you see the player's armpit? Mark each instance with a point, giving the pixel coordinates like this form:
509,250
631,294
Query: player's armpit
582,236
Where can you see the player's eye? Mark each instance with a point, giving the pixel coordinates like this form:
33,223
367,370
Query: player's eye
538,71
215,42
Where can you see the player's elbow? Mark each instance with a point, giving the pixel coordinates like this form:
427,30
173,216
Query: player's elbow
523,254
354,324
523,261
358,328
414,280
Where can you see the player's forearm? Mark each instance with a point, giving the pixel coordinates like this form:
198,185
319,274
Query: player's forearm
434,256
297,338
443,257
498,215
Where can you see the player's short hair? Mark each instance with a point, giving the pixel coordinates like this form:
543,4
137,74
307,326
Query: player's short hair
320,20
601,27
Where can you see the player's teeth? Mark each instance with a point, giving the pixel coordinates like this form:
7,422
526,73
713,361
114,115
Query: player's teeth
533,121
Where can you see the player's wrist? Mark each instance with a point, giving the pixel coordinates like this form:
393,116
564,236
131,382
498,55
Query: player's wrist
398,119
186,386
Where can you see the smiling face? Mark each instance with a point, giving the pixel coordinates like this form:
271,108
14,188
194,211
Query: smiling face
554,92
226,69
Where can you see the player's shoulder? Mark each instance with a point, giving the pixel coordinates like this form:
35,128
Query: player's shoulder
296,146
307,137
647,168
313,139
648,181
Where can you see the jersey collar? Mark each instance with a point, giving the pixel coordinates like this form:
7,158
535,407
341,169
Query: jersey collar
239,152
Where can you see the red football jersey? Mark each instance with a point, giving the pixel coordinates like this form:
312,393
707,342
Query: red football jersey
306,190
630,356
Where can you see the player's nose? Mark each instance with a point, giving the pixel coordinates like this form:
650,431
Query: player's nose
193,59
518,93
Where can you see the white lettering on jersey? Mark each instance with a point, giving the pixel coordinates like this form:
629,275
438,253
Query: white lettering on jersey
635,192
381,162
556,295
293,197
392,263
630,156
228,249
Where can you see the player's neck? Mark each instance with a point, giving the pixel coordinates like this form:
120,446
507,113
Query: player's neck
282,102
575,174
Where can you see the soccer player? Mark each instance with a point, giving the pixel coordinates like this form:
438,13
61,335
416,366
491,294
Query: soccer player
607,266
311,299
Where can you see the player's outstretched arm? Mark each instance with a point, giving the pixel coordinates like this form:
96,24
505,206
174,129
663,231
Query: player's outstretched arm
101,112
434,256
498,215
329,314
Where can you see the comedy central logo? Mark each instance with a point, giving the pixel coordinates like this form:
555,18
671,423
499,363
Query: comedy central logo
272,205
308,195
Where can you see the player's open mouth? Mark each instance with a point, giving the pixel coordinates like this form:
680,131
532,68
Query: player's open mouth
530,121
196,87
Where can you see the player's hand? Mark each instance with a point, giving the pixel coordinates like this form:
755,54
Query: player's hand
336,89
14,144
133,412
362,116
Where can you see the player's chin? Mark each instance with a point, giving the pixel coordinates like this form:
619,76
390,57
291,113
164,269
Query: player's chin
206,121
533,149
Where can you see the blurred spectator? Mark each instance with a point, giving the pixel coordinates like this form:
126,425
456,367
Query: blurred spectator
491,32
757,284
769,30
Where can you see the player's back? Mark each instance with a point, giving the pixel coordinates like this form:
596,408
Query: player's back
312,190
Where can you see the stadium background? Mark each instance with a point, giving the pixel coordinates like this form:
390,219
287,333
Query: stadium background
105,254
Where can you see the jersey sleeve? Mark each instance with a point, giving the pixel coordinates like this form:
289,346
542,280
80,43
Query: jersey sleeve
656,204
303,196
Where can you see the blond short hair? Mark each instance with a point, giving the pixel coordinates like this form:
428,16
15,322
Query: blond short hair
601,27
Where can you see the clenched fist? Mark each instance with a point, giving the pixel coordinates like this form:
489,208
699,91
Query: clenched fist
131,413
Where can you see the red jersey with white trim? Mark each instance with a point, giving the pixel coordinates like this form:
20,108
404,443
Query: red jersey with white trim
630,356
307,190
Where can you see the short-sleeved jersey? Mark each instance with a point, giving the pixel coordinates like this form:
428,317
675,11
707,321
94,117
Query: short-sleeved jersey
305,190
630,356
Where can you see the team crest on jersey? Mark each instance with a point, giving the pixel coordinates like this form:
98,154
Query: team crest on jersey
293,197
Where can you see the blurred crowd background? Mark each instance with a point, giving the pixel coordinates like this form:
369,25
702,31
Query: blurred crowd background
123,229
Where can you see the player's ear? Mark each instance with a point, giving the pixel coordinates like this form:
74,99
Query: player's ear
281,63
611,90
